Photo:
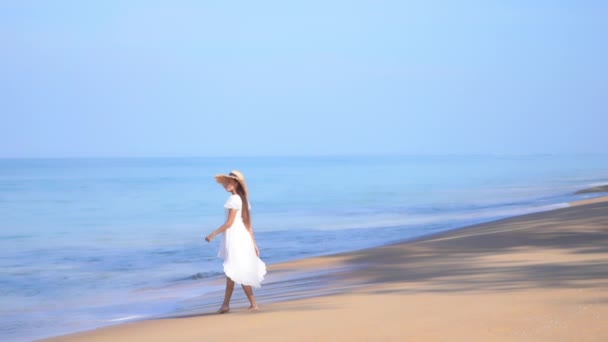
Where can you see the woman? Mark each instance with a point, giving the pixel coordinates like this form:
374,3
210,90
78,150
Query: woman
242,263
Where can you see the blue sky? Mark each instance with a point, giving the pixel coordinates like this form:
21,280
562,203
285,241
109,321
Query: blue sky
226,78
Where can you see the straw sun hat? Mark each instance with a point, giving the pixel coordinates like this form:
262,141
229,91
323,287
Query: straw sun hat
236,175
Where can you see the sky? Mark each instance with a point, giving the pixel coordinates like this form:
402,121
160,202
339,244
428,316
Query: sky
249,78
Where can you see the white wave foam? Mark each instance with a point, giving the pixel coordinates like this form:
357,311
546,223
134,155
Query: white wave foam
126,318
593,185
383,221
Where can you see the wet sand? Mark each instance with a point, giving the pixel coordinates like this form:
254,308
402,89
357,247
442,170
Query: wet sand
595,189
539,277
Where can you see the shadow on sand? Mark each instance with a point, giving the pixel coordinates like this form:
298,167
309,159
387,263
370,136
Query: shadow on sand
476,258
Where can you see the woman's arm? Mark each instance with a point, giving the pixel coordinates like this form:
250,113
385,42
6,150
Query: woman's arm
224,227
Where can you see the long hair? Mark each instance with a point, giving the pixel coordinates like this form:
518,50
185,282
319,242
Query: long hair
245,209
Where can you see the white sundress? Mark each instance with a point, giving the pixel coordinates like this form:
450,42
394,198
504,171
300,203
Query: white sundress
241,263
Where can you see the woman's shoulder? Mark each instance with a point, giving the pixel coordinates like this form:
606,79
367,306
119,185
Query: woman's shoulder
233,202
235,197
236,200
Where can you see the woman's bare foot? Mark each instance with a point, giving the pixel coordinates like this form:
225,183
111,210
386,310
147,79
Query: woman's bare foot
254,308
223,309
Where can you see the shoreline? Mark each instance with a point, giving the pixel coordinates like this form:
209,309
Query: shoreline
341,274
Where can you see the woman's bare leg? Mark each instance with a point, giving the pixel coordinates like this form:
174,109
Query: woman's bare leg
249,292
229,288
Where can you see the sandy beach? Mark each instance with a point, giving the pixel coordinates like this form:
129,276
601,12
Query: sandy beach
537,277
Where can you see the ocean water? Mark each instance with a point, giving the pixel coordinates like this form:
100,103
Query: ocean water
92,242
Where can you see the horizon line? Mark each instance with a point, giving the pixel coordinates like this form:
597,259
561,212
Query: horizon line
327,155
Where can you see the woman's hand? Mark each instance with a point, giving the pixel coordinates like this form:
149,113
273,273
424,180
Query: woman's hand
209,237
257,251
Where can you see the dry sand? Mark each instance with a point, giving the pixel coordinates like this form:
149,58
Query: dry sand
537,277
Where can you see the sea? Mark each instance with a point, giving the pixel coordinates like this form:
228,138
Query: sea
91,242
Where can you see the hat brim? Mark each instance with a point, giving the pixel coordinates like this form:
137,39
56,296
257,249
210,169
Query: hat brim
223,178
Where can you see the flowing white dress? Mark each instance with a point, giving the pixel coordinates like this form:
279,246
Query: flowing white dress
241,263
